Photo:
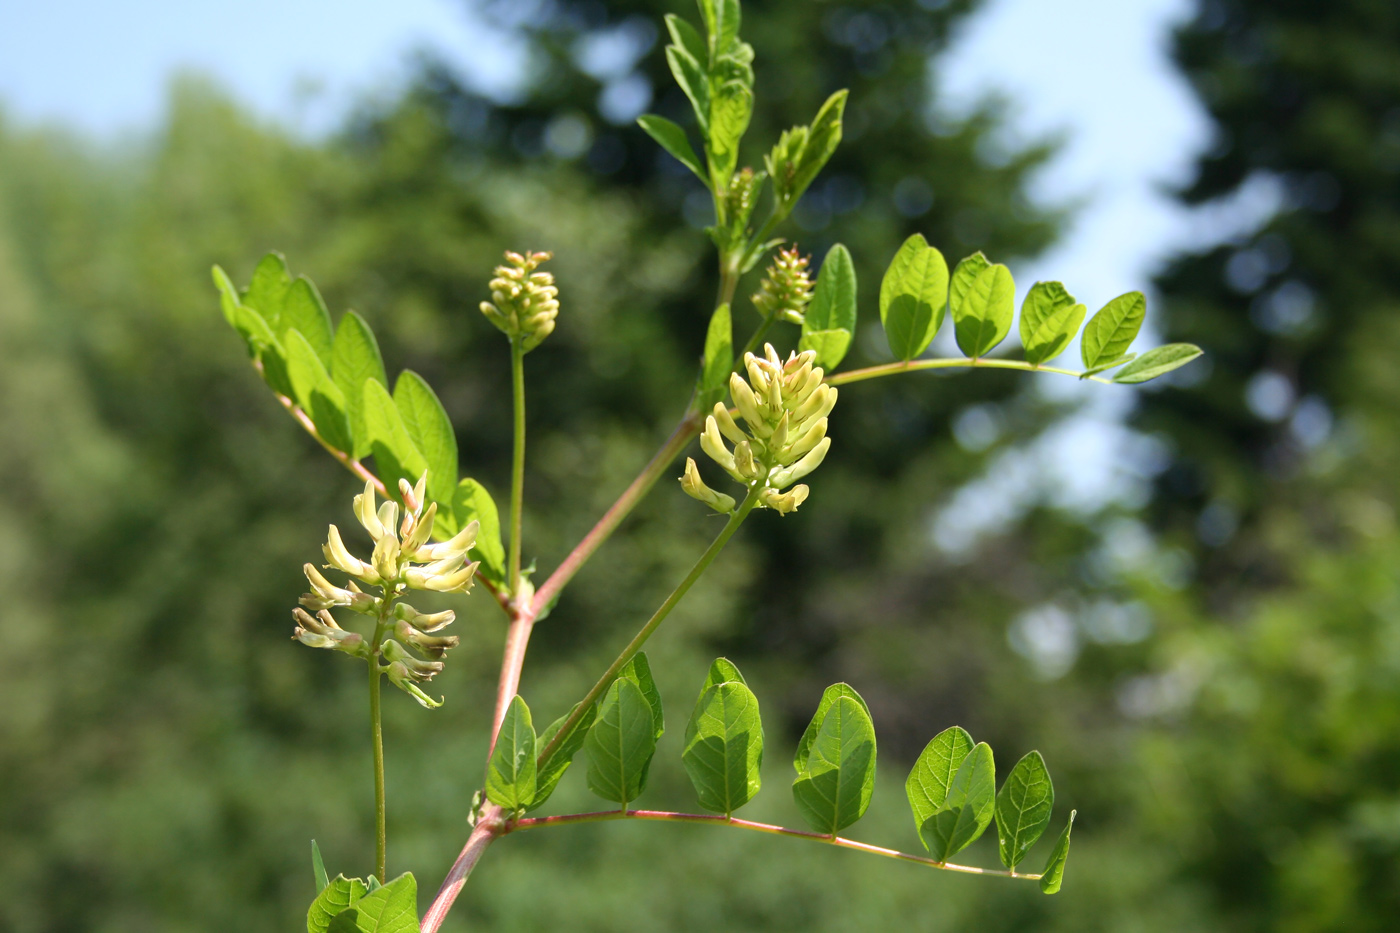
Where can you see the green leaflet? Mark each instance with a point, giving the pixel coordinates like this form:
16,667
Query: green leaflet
431,432
983,318
1054,874
687,37
968,810
721,25
335,898
913,296
318,868
1109,333
621,744
228,294
638,670
510,778
731,106
354,359
822,140
1049,320
722,671
672,138
394,452
551,769
390,908
718,361
829,696
304,310
1023,808
830,321
471,502
693,81
268,290
724,744
1157,362
834,789
314,391
963,276
932,775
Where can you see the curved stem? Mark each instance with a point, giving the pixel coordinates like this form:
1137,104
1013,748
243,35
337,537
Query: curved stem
517,462
486,831
736,519
718,820
890,369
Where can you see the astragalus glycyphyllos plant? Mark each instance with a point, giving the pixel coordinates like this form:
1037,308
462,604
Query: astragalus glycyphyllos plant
762,422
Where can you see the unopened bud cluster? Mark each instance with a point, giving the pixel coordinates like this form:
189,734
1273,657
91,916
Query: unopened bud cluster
402,559
786,289
784,406
524,302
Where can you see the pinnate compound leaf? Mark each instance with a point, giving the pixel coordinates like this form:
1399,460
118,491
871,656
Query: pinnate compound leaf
389,908
718,360
354,360
318,868
1157,362
829,696
830,321
1050,318
968,810
510,779
638,670
431,432
621,744
913,297
317,395
335,897
551,769
471,502
268,290
984,315
1054,874
724,746
672,138
722,671
833,789
395,454
1023,808
305,310
1109,333
932,775
961,282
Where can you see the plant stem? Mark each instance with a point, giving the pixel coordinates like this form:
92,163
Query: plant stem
890,369
736,519
517,463
759,333
634,493
487,829
718,820
377,733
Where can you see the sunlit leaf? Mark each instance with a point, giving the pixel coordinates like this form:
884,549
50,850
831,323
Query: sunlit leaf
984,316
834,789
354,359
672,138
932,775
471,502
318,396
1050,318
318,868
389,908
967,811
1054,874
638,670
829,696
268,290
723,671
830,321
335,897
395,455
694,81
510,777
1112,330
1157,362
961,282
1023,808
718,361
621,744
913,297
724,746
304,310
431,432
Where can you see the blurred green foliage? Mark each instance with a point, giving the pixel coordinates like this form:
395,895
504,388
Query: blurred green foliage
166,752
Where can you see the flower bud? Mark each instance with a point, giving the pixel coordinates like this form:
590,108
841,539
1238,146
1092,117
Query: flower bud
339,557
400,677
321,631
524,302
424,621
323,595
366,513
695,487
434,646
801,468
422,528
386,558
459,543
783,503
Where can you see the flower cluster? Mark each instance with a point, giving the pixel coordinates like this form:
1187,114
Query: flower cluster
402,559
524,302
786,289
784,406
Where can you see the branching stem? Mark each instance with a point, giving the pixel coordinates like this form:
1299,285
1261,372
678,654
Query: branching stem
715,819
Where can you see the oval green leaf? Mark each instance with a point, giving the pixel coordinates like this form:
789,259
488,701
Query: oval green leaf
967,812
621,744
1023,808
510,778
471,502
550,769
394,452
335,898
724,747
317,395
389,908
830,320
829,696
961,283
1109,333
722,671
1054,874
268,290
913,297
718,360
932,775
672,138
431,432
1050,318
984,315
834,789
355,358
305,310
1157,362
638,670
